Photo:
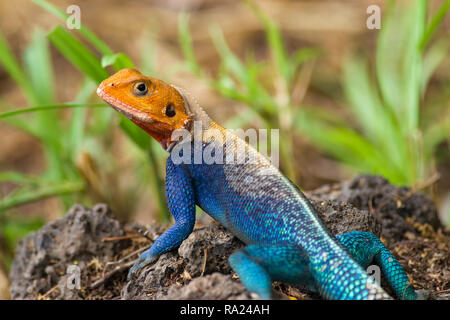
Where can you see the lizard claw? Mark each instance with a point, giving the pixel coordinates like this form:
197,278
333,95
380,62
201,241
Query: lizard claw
143,260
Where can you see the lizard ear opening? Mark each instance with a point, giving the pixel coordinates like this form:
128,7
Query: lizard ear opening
170,110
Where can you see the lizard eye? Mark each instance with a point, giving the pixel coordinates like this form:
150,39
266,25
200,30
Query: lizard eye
170,110
140,88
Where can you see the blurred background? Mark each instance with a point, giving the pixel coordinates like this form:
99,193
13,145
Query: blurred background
347,99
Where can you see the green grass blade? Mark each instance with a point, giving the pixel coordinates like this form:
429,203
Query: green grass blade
20,124
158,184
27,194
50,107
364,100
373,118
39,68
346,145
103,48
303,55
134,133
231,62
436,134
431,60
78,54
17,177
118,60
185,41
248,89
143,141
433,25
76,132
12,67
148,53
390,46
275,42
412,67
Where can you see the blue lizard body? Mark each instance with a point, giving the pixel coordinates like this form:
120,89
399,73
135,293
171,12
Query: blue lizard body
242,190
268,212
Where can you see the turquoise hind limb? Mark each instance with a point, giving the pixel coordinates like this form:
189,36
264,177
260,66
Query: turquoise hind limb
259,265
366,248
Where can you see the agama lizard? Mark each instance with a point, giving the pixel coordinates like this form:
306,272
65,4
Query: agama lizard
286,239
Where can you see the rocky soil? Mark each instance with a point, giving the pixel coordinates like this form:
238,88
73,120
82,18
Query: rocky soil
86,254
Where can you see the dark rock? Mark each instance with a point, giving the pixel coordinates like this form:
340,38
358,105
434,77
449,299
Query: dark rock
199,268
156,277
390,205
205,251
210,246
42,258
341,217
216,286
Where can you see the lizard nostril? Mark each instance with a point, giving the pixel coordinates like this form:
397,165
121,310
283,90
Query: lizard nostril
111,84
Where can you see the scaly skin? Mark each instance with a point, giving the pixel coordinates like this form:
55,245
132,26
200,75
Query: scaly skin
286,239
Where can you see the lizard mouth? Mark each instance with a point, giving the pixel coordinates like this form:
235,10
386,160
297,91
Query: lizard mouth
123,108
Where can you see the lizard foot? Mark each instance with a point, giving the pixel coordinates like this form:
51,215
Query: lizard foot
145,259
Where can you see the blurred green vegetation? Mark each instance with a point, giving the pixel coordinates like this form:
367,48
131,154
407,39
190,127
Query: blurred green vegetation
392,132
268,99
70,142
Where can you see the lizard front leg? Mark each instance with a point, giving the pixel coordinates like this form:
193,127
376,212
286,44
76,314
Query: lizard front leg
181,202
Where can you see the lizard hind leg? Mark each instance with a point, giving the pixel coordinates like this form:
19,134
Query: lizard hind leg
366,248
259,265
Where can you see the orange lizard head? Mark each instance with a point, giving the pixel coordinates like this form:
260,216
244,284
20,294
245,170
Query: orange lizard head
155,106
